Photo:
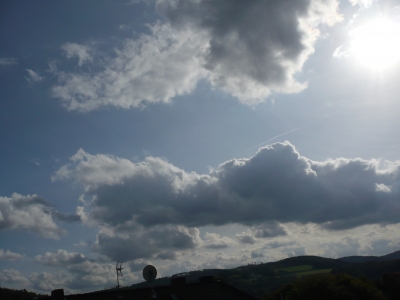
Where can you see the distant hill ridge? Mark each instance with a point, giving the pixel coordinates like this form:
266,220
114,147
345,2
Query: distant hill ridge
261,278
360,259
268,269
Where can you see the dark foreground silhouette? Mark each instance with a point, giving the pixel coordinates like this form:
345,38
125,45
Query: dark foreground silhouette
10,294
262,279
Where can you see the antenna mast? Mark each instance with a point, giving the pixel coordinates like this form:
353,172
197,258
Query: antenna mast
119,272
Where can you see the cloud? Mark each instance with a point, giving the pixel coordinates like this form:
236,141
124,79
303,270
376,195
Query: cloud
14,279
215,241
382,188
132,2
138,265
151,69
158,242
81,244
84,273
79,51
171,255
62,257
7,61
30,213
249,49
221,260
254,47
69,218
47,282
10,256
261,231
255,254
177,267
269,230
34,76
275,185
151,209
341,52
362,3
278,244
246,238
294,251
346,246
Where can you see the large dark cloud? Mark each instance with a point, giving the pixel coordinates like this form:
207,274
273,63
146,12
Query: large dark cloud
277,184
255,46
247,48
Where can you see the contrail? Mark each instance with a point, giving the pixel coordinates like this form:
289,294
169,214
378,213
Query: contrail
287,132
295,129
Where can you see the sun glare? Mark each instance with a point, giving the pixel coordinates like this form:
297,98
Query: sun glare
377,44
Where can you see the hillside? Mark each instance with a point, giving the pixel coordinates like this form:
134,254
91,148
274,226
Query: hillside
259,279
360,259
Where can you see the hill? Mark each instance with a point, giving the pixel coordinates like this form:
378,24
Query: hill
360,259
258,279
261,278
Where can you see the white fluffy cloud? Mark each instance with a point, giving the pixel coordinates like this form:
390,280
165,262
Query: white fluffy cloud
153,68
247,48
10,256
30,213
79,51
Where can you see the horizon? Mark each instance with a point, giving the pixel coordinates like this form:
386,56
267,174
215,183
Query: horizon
190,134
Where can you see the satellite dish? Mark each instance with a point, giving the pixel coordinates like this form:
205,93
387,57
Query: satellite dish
149,273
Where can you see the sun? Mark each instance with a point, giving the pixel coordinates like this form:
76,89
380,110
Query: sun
377,44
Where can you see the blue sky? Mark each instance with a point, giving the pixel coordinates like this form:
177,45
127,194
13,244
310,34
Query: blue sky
194,134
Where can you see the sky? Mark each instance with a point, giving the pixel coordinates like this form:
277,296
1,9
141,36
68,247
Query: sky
194,134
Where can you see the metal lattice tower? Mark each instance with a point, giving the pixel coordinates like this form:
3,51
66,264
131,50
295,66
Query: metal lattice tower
118,269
